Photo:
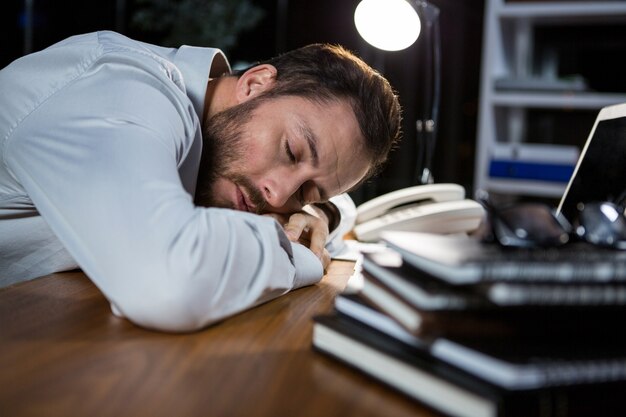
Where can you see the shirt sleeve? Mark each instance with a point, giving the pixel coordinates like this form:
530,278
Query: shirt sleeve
99,160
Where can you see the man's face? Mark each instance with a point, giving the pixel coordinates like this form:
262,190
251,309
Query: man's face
276,155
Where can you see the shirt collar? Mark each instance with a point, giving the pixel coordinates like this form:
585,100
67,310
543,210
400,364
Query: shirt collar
193,61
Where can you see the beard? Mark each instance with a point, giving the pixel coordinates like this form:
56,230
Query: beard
222,150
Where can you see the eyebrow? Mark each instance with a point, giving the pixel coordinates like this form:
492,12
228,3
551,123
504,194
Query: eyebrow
311,141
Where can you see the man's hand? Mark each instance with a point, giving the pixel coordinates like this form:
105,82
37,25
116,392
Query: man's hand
308,228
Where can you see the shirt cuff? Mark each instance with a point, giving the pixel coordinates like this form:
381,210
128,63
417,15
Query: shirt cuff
309,269
347,212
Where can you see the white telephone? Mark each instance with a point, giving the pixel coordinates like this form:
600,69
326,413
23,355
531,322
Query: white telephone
432,208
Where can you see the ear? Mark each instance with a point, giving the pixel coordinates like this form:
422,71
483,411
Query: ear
255,81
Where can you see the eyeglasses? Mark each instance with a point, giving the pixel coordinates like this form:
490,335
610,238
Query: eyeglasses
537,225
603,224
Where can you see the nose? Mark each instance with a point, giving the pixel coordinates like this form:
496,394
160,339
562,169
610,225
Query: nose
281,192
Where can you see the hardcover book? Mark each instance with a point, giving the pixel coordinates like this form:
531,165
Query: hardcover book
462,380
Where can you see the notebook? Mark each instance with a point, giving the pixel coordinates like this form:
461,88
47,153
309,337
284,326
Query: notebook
511,362
461,260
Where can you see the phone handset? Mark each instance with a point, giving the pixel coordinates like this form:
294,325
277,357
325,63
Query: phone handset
435,208
411,196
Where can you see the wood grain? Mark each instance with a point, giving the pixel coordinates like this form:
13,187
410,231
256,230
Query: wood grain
62,353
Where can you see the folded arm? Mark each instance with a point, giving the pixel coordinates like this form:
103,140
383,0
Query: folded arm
104,172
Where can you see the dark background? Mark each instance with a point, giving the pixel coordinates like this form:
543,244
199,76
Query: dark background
290,24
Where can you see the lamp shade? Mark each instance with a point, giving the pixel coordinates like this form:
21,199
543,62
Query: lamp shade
391,25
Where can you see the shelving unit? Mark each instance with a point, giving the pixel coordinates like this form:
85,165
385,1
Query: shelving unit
521,79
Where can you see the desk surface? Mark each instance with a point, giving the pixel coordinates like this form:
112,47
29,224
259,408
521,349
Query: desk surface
63,353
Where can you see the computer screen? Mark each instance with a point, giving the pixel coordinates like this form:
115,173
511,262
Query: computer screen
601,171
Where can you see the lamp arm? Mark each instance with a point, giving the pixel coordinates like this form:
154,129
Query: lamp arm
427,126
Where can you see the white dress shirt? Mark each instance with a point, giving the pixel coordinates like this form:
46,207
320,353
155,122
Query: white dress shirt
100,142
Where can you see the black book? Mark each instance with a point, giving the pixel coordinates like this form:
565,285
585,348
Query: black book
460,259
415,371
510,361
424,304
429,313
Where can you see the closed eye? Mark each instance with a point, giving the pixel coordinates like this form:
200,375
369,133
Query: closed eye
290,154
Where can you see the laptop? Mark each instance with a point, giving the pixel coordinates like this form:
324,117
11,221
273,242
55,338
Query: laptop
600,175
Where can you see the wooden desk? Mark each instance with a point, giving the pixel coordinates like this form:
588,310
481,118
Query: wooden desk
62,353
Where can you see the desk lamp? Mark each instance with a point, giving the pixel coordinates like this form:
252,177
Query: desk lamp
393,25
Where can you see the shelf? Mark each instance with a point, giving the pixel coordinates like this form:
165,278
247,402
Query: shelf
591,101
535,152
525,187
531,52
563,12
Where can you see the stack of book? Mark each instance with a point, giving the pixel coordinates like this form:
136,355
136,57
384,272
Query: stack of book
472,329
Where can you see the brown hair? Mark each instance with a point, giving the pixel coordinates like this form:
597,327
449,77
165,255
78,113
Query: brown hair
323,72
